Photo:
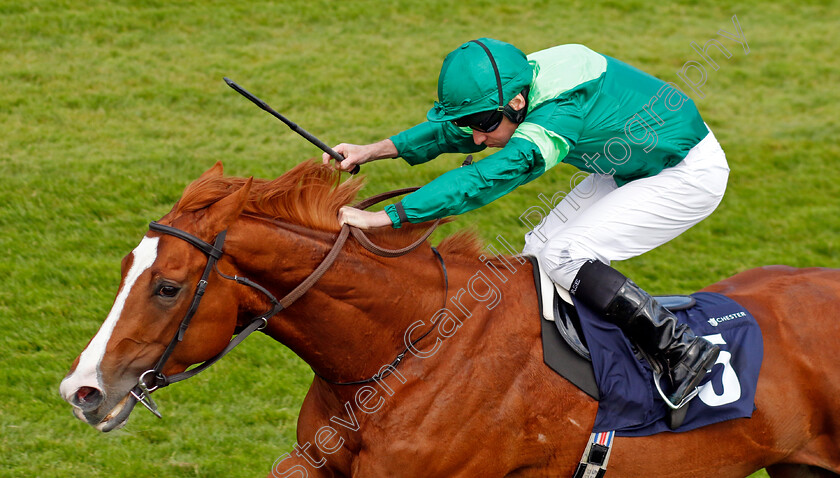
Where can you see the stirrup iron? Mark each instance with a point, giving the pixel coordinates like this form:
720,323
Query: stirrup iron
657,377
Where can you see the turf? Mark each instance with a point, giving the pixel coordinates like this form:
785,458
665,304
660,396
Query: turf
108,109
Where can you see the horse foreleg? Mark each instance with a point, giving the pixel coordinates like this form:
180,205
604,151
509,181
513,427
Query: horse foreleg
783,470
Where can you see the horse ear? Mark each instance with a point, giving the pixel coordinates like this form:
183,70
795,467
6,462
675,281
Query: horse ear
216,171
221,214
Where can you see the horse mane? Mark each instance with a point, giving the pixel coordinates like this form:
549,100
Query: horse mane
309,195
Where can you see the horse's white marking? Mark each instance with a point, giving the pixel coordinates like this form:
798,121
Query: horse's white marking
87,373
574,422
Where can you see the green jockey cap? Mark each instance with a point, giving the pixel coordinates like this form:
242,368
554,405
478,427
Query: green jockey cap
468,84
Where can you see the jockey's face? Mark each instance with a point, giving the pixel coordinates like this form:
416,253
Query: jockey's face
500,136
497,138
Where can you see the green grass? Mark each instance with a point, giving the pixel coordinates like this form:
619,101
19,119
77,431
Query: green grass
109,109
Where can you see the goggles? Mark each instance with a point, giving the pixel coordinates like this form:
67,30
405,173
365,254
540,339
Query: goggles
483,121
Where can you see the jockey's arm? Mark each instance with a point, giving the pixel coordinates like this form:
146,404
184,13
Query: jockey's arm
429,140
415,145
357,154
470,187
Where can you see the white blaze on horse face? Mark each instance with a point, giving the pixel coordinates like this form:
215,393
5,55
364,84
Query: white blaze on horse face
87,373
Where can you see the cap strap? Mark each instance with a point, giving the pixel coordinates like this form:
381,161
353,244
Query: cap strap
496,71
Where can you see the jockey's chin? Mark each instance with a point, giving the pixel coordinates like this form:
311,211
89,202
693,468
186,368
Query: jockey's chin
497,138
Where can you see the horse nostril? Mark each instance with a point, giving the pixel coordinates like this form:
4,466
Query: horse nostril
87,398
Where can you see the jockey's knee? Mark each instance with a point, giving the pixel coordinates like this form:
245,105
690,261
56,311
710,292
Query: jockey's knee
560,264
533,245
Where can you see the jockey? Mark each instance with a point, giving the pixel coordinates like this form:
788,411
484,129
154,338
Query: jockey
656,169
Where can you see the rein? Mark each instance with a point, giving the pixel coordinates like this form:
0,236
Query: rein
393,365
154,378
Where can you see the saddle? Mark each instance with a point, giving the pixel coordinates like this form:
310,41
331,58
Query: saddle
564,346
611,370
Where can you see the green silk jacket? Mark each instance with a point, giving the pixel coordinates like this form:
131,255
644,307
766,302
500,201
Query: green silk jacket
585,109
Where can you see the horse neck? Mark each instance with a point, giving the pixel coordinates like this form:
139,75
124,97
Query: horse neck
352,321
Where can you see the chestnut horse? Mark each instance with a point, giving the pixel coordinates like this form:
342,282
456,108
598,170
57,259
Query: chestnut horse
472,397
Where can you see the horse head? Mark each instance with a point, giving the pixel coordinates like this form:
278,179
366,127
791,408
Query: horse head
159,278
194,281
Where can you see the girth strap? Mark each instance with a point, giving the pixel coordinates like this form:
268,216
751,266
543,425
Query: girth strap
593,464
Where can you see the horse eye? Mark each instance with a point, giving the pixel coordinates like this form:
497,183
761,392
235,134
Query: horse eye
168,291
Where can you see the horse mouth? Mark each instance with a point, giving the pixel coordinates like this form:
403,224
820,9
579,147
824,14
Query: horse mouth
113,420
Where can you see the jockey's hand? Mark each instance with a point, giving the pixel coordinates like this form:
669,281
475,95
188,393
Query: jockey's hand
362,219
353,154
357,154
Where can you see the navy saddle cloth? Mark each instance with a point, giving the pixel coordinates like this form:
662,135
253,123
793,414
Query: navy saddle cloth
623,383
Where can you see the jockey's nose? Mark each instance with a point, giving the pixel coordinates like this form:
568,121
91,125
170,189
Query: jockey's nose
479,137
87,398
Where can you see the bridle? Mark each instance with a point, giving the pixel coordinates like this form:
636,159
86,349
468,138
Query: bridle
154,378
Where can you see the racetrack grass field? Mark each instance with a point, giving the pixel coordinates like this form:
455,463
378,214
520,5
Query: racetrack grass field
109,109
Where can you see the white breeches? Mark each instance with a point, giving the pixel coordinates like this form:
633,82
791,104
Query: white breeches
599,220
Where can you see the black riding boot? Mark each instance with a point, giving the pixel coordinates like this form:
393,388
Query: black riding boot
669,346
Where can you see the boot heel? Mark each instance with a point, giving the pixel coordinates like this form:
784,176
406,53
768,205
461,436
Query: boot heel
694,372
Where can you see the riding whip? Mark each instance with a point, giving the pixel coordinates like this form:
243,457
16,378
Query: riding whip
297,129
